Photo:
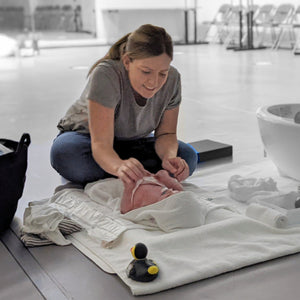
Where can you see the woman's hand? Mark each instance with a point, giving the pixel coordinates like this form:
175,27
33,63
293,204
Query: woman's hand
131,170
176,166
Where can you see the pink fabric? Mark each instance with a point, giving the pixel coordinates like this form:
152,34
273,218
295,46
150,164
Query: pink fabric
148,190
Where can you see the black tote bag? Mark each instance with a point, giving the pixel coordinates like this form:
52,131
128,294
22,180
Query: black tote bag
13,167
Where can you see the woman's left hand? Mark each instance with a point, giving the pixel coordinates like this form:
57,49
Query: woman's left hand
176,166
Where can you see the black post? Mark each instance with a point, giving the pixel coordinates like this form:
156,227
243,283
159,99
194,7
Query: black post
195,25
249,45
241,27
186,24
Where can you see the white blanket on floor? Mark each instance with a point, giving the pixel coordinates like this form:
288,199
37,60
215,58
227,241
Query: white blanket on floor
96,209
224,240
228,241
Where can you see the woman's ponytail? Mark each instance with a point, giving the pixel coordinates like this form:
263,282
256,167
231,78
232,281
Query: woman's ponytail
115,52
148,40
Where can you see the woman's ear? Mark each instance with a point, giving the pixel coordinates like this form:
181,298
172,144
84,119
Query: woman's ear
126,61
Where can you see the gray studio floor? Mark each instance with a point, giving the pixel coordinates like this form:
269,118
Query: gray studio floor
222,90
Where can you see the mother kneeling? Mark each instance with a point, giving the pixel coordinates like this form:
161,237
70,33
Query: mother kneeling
131,92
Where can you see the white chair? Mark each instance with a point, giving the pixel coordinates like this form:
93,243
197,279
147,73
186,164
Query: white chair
288,26
260,20
234,26
238,25
271,27
220,23
296,30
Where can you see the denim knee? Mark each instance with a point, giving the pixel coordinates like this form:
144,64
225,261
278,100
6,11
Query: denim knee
71,157
186,152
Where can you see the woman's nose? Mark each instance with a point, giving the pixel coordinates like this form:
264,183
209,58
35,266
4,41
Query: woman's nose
153,80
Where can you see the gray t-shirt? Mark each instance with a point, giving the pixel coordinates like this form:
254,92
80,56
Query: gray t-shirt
109,85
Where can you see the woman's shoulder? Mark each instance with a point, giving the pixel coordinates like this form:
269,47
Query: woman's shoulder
109,72
173,78
109,66
173,73
174,70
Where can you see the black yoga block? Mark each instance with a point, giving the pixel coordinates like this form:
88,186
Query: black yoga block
208,150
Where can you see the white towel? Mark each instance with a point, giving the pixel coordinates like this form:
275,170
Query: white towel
181,210
280,199
226,242
243,188
66,227
99,217
44,221
267,215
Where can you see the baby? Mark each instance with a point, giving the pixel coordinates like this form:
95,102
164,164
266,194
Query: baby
148,190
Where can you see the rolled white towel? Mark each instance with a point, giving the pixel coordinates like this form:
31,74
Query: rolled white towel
267,215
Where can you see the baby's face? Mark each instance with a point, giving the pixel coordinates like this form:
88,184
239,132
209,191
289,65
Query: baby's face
148,193
148,190
155,188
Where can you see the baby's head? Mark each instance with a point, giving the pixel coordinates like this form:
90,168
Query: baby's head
148,190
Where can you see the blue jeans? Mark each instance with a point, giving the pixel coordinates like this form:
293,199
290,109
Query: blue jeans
71,156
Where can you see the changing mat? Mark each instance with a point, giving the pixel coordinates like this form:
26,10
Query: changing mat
222,239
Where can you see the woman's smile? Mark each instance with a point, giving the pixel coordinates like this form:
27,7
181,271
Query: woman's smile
148,75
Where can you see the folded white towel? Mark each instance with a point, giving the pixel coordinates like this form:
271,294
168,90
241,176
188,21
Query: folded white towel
243,188
283,200
267,215
66,227
44,221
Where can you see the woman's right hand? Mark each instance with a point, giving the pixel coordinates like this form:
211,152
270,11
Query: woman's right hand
131,170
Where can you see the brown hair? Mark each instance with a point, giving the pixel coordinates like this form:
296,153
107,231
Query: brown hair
148,40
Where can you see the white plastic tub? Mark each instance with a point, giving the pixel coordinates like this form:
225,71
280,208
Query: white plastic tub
281,137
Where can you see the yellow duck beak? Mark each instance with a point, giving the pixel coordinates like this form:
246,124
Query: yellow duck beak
132,250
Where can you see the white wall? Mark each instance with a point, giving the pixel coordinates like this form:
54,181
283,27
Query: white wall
111,24
103,18
145,4
117,17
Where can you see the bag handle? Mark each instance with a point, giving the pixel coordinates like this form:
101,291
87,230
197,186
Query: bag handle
25,140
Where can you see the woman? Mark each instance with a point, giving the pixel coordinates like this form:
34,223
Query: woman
132,92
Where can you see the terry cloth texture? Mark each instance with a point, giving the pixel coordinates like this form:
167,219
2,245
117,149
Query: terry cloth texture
267,215
65,227
226,241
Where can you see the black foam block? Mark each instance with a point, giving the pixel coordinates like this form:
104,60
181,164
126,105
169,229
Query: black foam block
208,150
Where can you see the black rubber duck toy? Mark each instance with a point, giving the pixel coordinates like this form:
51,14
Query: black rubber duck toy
141,268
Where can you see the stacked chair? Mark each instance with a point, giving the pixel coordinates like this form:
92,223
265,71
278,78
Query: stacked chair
220,23
272,26
296,30
290,30
238,32
261,21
